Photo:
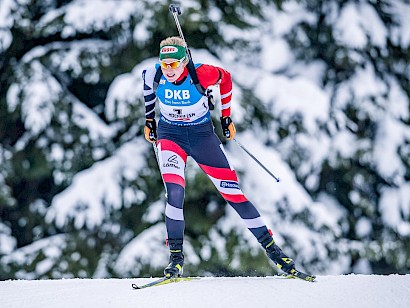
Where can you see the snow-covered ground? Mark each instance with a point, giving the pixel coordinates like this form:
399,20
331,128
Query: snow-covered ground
329,291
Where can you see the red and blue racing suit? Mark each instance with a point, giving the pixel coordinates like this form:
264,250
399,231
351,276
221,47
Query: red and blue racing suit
185,129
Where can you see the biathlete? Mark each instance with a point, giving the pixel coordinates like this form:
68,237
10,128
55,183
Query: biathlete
185,129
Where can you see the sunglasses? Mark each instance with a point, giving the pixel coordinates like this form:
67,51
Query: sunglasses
173,64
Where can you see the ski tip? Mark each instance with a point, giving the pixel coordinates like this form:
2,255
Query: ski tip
135,287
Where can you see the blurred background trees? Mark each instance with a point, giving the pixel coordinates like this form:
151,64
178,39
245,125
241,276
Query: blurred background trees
321,93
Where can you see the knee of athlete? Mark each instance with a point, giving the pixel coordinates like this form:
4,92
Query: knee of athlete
175,194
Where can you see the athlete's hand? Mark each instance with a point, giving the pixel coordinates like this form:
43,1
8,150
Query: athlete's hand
228,128
150,130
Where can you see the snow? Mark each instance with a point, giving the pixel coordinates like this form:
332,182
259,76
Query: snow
296,92
329,291
401,32
6,21
97,185
51,248
395,207
297,96
139,252
357,23
7,242
97,14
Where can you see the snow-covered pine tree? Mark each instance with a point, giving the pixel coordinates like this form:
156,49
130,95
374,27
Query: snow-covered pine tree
361,50
321,94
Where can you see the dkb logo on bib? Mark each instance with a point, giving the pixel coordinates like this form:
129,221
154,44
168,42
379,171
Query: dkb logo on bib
177,94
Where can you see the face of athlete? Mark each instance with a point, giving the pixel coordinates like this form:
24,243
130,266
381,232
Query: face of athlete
172,69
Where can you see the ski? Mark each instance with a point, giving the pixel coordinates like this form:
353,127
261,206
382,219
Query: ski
162,281
294,273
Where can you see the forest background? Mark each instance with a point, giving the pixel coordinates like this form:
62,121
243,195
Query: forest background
321,96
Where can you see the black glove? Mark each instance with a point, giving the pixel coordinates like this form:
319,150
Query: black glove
150,130
228,128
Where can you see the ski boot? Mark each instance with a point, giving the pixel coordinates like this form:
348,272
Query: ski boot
276,254
176,259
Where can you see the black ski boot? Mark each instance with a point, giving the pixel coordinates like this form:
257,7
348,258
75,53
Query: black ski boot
176,259
276,254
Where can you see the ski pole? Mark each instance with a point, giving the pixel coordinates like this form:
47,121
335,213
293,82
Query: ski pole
154,145
256,160
175,10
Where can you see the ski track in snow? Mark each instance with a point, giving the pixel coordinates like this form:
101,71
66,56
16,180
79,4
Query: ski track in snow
329,291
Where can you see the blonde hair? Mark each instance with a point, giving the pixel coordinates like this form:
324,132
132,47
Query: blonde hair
172,40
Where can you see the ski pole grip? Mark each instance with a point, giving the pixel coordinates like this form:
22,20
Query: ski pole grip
173,8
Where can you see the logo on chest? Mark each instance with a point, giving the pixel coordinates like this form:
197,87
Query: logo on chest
177,94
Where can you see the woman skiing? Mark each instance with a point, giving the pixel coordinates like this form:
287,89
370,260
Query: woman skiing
185,129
